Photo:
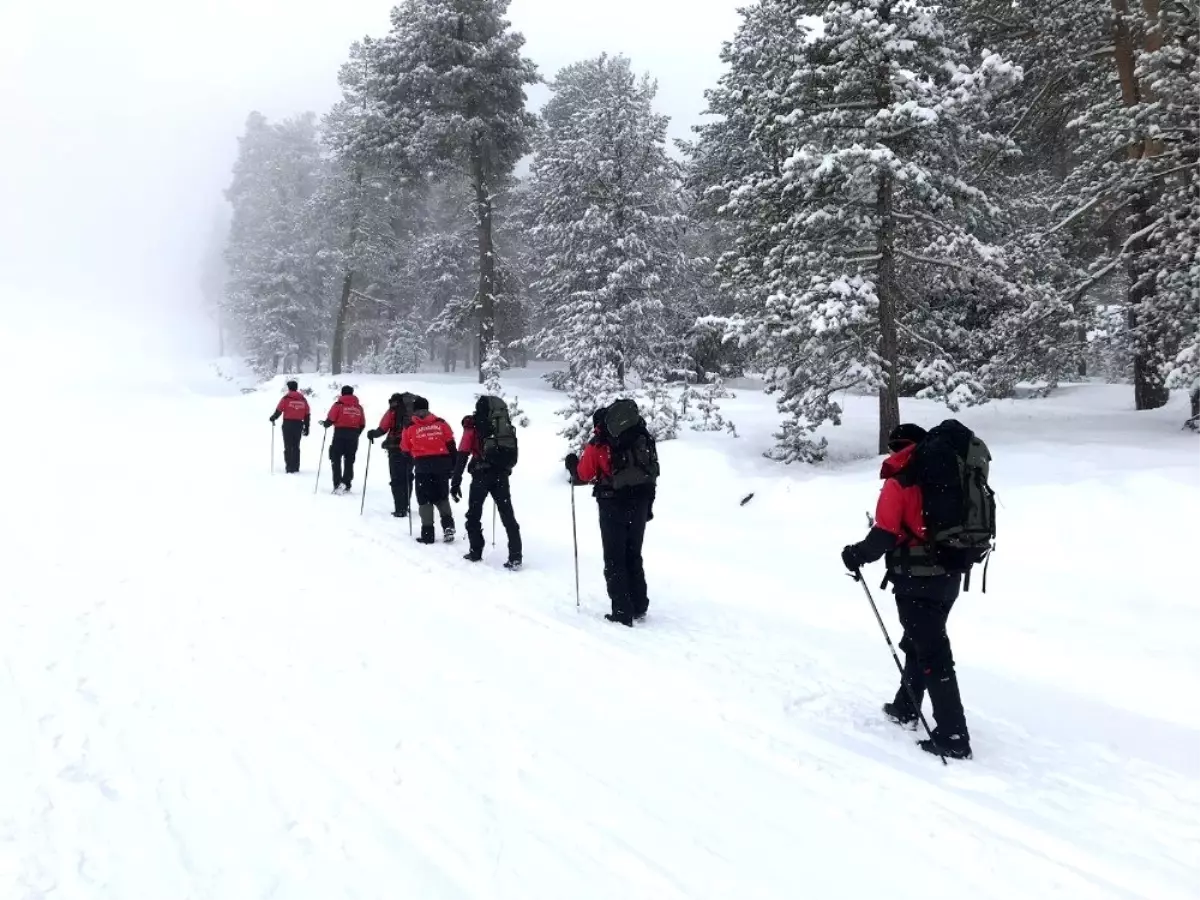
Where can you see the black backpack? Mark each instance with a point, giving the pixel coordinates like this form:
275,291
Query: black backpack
634,456
403,417
497,436
951,466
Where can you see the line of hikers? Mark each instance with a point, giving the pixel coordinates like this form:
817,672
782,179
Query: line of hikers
620,461
935,517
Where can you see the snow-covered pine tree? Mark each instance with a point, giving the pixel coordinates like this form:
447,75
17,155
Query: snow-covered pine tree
864,257
450,82
1170,113
278,266
358,199
607,228
493,366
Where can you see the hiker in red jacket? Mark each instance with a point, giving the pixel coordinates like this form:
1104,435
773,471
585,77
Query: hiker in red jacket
925,594
429,440
348,421
393,423
489,478
296,416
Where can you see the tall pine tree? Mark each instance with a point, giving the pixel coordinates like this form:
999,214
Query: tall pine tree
607,227
449,82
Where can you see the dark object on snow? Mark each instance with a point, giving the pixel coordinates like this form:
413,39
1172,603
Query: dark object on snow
747,499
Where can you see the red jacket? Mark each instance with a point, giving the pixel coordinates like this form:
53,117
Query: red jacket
899,508
293,406
346,412
427,436
388,422
470,445
595,464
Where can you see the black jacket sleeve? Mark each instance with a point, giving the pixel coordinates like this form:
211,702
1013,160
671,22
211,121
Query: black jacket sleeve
875,545
460,465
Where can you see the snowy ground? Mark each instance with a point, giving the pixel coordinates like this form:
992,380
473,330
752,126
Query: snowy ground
218,684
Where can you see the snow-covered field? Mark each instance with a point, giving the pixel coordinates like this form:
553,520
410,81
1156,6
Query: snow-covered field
218,684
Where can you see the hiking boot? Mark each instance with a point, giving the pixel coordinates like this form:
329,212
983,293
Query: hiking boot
448,535
427,536
474,556
955,746
901,714
627,621
513,565
400,515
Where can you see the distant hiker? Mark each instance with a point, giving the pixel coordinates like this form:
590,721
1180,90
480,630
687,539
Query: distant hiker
488,451
296,418
394,421
621,460
925,481
430,442
348,421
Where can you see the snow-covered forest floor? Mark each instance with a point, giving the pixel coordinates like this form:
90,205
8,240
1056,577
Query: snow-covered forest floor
218,684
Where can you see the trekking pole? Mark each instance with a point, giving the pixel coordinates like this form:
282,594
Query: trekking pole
912,698
272,448
575,539
319,458
366,475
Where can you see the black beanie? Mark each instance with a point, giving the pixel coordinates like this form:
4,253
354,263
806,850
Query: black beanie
293,386
903,435
396,398
347,390
598,416
421,404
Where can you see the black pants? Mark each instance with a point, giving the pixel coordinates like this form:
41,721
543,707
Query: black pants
924,606
342,451
400,468
293,430
433,489
622,529
494,485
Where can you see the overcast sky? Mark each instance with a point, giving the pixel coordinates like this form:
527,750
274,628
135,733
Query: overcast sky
121,116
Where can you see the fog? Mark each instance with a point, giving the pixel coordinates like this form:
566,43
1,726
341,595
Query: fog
120,126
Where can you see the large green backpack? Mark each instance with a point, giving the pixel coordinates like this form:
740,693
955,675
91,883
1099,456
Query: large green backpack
951,465
497,436
634,456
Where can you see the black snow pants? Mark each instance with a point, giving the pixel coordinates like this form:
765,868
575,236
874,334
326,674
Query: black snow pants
622,528
400,468
924,605
293,430
494,485
342,450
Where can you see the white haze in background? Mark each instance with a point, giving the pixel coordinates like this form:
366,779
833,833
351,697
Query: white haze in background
120,126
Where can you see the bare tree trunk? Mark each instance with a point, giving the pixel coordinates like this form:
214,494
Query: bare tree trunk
889,340
1149,389
487,254
337,351
885,281
339,328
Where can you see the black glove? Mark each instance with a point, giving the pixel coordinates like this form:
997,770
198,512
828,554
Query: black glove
372,434
851,558
650,513
326,423
572,463
306,431
273,418
456,491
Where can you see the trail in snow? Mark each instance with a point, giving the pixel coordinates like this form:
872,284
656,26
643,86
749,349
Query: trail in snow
218,684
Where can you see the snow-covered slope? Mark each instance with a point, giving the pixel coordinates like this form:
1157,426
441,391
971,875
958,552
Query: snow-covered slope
218,684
